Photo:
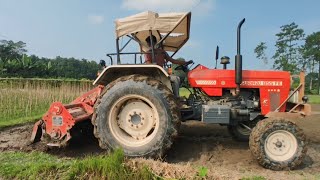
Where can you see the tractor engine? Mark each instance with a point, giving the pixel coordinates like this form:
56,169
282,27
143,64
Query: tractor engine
242,108
226,109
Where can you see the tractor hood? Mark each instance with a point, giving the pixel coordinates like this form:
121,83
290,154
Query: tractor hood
171,29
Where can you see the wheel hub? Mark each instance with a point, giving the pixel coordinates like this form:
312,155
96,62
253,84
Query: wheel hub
278,144
136,119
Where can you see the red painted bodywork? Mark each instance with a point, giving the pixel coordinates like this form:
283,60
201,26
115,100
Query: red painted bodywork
78,110
213,81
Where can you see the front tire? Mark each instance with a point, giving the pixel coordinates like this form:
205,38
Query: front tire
138,114
278,144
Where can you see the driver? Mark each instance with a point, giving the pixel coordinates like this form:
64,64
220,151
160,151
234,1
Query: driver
162,57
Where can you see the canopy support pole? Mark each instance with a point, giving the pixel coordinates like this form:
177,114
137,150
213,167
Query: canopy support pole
125,45
118,51
152,46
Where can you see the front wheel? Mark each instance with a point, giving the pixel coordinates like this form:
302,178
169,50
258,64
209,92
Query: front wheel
278,144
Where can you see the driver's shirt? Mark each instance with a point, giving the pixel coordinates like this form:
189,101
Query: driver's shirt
161,57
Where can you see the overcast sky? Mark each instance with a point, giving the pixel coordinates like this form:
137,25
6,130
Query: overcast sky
85,29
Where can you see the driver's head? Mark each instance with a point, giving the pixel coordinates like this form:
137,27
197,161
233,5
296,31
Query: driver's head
151,38
102,63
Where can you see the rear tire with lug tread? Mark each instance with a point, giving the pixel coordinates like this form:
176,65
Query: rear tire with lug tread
239,133
137,114
278,144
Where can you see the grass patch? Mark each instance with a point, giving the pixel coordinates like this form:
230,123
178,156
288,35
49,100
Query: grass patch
184,92
202,172
38,165
21,120
314,99
30,166
254,178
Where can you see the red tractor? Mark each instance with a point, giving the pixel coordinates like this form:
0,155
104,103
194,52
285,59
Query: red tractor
133,106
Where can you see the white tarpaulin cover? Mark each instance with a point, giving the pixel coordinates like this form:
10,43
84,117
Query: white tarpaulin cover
160,24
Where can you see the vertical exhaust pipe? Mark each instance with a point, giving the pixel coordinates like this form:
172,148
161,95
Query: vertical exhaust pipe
238,61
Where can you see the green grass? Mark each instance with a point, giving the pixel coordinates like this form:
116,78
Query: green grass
38,165
254,178
202,172
21,120
184,92
25,100
314,99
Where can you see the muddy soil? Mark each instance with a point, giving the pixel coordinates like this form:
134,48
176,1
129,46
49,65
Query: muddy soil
198,145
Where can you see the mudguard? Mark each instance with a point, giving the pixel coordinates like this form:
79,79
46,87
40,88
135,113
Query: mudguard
113,72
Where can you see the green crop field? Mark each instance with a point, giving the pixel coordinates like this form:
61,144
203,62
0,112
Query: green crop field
314,99
24,100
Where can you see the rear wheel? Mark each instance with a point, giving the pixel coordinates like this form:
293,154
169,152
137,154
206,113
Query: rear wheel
278,144
137,114
241,132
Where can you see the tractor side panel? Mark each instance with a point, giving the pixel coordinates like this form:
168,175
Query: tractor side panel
271,98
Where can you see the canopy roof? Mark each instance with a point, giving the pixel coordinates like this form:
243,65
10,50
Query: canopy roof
171,29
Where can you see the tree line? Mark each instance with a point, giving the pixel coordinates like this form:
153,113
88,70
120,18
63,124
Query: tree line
14,62
295,52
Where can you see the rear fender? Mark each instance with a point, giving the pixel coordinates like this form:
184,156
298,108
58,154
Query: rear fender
113,72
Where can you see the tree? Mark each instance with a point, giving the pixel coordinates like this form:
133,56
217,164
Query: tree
312,52
260,52
10,50
288,54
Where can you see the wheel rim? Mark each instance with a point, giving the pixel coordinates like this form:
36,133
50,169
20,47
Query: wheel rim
281,145
133,120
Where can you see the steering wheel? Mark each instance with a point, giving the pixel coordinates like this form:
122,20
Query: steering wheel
184,67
